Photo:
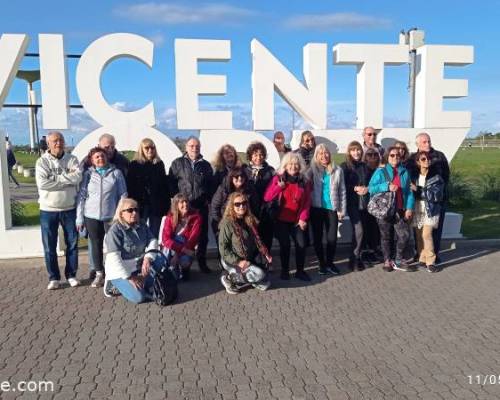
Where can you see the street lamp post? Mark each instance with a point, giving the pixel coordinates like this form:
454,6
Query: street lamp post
30,77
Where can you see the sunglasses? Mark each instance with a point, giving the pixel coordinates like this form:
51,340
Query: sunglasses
238,177
423,159
371,134
239,204
131,210
394,155
149,148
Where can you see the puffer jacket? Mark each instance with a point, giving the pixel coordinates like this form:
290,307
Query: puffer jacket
218,204
194,181
432,194
99,194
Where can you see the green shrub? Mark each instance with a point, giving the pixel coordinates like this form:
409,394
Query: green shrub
17,211
490,185
461,190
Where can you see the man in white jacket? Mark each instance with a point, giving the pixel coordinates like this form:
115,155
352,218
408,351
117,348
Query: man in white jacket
57,178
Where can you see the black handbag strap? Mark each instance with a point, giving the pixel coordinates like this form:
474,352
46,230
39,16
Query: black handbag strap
386,174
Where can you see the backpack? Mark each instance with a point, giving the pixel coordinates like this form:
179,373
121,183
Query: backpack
383,205
164,288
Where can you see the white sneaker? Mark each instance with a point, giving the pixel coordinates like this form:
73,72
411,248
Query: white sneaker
73,282
99,279
228,285
53,285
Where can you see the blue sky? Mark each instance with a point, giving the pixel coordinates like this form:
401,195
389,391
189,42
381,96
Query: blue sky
284,27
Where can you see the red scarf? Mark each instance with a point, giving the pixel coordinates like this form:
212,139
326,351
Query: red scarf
399,193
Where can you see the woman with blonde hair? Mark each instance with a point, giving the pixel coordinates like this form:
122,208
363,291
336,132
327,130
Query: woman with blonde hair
180,235
225,160
147,183
239,246
328,206
127,262
290,192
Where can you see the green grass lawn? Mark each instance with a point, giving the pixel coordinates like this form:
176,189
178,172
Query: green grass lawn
481,219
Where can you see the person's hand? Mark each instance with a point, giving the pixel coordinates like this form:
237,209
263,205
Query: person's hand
137,281
302,225
392,187
269,258
362,190
188,252
281,182
146,266
340,215
408,214
413,187
80,227
244,264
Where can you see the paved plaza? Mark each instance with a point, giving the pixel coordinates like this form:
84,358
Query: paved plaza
365,335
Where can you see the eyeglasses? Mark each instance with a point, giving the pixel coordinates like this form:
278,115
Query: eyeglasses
149,148
131,210
394,155
239,204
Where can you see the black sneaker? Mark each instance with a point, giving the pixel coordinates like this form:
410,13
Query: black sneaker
186,274
109,290
285,275
403,266
433,268
92,275
359,266
322,271
302,275
333,270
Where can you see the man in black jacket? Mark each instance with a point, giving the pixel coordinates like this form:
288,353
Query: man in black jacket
439,166
107,143
192,176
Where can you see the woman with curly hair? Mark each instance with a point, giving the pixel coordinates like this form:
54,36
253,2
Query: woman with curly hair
260,173
239,245
225,160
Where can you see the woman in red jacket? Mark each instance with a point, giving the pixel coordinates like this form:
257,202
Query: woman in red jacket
180,235
290,195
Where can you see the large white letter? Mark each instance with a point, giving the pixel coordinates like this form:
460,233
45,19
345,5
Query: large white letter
88,77
268,75
189,84
54,81
431,87
370,59
12,49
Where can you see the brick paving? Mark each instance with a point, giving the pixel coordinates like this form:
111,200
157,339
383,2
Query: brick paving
366,335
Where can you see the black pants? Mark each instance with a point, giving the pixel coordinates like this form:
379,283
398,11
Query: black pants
324,219
359,222
201,251
266,231
401,235
372,235
97,229
153,221
438,232
284,231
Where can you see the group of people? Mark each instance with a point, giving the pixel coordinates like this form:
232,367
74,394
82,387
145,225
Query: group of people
129,208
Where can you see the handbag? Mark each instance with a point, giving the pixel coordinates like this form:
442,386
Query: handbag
383,205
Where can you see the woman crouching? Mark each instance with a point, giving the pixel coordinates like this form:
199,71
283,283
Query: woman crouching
239,246
127,264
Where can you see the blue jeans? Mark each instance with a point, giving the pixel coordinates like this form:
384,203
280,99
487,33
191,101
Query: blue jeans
49,223
133,294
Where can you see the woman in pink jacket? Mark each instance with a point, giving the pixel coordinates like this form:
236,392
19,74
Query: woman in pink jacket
289,194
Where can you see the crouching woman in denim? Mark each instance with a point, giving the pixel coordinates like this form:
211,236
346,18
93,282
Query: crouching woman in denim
127,266
239,246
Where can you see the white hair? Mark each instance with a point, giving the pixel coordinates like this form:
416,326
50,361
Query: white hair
291,157
420,135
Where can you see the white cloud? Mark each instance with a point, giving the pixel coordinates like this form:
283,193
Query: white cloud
174,14
336,21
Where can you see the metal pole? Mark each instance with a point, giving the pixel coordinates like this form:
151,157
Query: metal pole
31,118
413,77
